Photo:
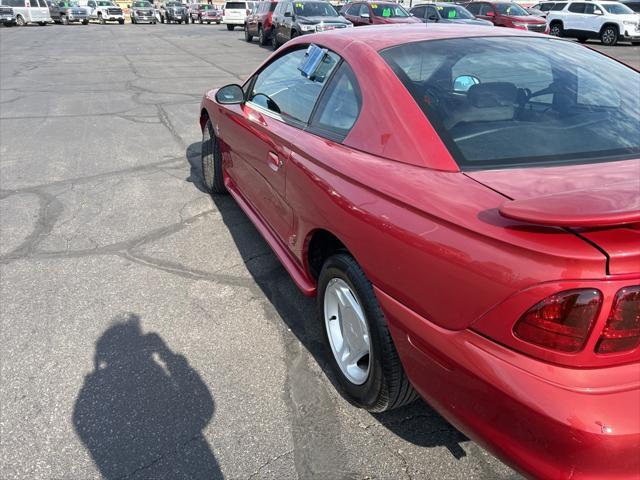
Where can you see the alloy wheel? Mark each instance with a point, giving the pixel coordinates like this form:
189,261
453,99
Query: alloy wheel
347,330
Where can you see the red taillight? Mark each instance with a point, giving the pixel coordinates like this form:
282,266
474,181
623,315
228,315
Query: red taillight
562,321
622,331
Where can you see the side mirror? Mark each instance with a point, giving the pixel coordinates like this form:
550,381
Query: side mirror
597,12
287,14
463,83
364,15
230,95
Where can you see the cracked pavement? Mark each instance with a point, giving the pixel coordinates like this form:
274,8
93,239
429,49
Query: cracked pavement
147,331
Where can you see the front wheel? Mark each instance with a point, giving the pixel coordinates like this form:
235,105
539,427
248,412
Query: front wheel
274,40
230,27
42,24
101,19
20,21
65,21
609,35
85,22
121,21
211,161
262,38
361,351
247,36
133,20
556,29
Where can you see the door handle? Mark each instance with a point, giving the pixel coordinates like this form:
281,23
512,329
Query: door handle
274,160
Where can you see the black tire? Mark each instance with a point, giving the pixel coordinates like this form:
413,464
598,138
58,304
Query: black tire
582,39
556,29
635,44
247,36
609,35
294,34
262,38
230,27
274,40
211,156
42,24
386,386
65,20
101,19
20,21
133,21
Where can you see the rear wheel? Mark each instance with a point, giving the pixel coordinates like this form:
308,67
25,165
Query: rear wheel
85,22
635,44
609,35
121,21
247,36
65,20
361,351
274,40
556,29
294,34
133,20
101,19
42,24
262,38
20,21
230,27
211,161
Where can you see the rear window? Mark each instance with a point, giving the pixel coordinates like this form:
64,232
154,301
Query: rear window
34,3
558,6
500,102
510,9
235,6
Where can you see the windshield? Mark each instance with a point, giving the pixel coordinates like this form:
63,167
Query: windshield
141,5
174,4
68,4
104,4
510,9
617,8
499,102
388,10
314,9
454,12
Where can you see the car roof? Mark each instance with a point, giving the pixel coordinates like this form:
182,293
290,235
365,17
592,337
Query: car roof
380,37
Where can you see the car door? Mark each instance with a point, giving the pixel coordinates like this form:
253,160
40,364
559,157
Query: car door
287,22
574,19
592,18
54,10
91,6
265,129
431,14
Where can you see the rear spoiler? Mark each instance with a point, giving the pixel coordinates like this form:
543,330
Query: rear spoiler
610,205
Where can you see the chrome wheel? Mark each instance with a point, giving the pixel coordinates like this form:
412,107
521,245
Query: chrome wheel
556,31
347,330
608,36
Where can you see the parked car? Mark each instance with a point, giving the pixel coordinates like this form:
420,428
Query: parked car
205,13
67,11
173,12
506,14
400,177
294,18
142,11
29,11
376,13
235,13
259,24
103,11
632,4
7,17
608,21
446,12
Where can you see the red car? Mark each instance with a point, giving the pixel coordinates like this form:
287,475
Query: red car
258,24
507,14
205,13
376,13
471,230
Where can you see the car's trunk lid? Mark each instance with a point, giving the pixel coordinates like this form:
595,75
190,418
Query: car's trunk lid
599,202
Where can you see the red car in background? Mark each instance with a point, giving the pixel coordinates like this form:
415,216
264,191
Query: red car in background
205,13
470,230
507,14
376,13
258,24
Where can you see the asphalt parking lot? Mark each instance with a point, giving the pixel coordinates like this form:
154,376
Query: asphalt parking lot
147,329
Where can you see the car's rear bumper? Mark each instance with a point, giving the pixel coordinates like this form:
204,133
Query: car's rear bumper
233,21
545,420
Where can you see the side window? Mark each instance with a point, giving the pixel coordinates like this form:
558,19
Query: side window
589,9
281,87
557,7
288,8
339,106
473,8
418,12
431,13
485,8
577,7
353,10
364,9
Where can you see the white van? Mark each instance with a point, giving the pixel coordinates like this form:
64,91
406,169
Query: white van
29,11
234,13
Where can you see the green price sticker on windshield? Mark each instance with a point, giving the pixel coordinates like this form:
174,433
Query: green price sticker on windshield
386,12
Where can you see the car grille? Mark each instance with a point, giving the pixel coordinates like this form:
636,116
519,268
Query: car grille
5,11
114,11
537,28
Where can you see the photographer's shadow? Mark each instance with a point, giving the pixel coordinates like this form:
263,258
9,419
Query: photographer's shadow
142,411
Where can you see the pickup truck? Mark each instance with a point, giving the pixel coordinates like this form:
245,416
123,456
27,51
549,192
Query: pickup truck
67,11
104,11
608,21
7,17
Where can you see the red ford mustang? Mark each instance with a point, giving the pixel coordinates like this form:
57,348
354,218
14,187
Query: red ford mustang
465,204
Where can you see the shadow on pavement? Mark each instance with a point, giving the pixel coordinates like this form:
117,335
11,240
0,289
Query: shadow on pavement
141,412
417,423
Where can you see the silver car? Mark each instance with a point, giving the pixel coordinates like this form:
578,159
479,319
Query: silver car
142,12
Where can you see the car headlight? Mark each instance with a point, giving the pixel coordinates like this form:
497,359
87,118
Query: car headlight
349,24
519,25
307,28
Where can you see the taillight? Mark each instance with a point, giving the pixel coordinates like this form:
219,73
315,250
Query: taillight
562,321
622,331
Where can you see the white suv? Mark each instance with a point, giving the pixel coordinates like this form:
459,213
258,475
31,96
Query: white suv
235,13
608,21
